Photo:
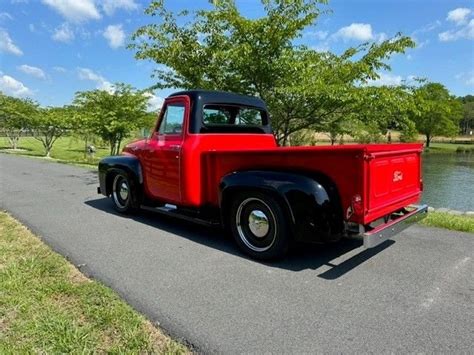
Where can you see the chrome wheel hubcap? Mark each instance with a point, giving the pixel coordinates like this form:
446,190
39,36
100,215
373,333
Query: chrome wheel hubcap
258,223
257,229
123,191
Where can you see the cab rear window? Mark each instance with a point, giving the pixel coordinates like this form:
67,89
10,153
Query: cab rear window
229,115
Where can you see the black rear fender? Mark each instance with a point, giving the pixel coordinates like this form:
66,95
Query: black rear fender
312,202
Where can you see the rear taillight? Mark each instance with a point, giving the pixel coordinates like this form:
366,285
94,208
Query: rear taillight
357,205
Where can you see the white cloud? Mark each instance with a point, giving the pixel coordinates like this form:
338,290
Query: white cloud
110,6
467,32
13,87
428,28
459,16
154,102
7,45
321,35
115,35
60,69
101,82
75,10
5,16
466,77
470,79
63,33
33,71
386,79
357,31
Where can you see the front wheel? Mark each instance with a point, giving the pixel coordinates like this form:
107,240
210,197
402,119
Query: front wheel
259,225
122,193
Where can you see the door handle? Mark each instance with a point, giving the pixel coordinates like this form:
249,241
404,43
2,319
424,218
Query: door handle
175,146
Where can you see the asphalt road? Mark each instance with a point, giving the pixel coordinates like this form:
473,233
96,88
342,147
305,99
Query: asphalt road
412,294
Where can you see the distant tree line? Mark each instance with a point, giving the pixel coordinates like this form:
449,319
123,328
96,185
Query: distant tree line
306,90
111,116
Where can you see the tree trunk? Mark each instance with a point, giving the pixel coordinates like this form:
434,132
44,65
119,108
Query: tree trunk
85,147
118,145
13,140
428,140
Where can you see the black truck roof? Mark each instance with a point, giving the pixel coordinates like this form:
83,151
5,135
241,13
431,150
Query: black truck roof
219,97
204,97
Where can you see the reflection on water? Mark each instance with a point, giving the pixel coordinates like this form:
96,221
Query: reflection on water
449,181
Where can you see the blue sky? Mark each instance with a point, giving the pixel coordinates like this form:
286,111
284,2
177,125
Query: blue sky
49,49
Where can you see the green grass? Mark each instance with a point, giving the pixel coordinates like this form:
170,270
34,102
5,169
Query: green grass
448,147
66,149
448,221
48,306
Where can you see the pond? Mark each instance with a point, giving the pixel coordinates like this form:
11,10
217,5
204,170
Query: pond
449,180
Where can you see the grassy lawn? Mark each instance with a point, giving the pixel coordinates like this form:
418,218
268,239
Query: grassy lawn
66,149
71,149
48,306
449,147
448,221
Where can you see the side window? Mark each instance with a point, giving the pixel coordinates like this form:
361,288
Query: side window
173,119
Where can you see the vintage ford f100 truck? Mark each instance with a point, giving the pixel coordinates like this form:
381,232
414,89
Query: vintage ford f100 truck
212,158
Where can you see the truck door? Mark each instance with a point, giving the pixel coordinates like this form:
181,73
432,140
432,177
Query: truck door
162,165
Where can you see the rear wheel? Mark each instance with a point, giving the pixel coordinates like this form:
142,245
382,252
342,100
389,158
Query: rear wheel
259,225
122,193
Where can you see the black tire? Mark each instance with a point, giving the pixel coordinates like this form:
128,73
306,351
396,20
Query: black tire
259,225
122,193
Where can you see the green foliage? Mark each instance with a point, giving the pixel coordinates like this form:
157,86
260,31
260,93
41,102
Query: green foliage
50,124
112,115
15,117
467,121
437,112
220,49
303,137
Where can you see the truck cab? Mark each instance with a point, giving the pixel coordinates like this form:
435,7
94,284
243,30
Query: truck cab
212,158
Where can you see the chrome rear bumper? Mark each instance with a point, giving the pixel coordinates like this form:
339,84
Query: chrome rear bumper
385,231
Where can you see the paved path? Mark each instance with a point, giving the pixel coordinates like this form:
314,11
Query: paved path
413,294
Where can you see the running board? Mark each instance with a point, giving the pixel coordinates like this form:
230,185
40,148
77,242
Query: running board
172,211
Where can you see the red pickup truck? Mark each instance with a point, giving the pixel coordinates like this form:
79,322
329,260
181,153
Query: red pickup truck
212,158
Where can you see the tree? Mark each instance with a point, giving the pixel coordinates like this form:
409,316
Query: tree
467,122
113,115
50,124
15,115
437,112
84,127
220,49
382,108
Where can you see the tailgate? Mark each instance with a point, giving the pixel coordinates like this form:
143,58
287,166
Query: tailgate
393,181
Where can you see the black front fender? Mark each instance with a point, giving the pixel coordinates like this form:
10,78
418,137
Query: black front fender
110,165
312,202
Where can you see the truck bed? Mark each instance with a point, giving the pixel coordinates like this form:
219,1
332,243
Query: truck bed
386,177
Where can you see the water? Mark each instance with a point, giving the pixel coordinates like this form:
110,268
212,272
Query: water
449,181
